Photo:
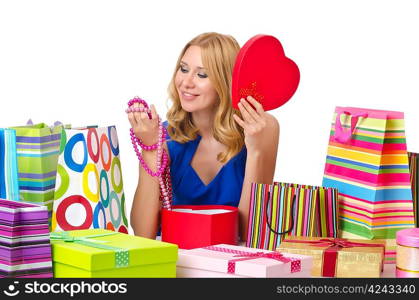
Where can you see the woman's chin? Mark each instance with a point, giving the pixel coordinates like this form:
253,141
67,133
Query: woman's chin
189,107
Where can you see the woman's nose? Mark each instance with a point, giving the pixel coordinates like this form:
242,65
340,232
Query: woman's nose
188,80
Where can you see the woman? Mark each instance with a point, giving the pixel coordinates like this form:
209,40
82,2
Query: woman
215,152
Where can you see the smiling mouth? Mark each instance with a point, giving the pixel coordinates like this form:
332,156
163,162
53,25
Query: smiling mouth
189,96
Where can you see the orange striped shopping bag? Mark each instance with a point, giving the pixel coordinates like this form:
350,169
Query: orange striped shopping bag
280,210
367,162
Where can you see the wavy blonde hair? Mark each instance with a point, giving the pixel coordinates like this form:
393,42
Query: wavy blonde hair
218,52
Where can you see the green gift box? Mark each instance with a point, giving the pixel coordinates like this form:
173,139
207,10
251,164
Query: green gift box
99,253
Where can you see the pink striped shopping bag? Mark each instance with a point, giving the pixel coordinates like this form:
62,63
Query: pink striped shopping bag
280,210
367,162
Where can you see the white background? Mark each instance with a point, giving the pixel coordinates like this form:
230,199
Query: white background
79,62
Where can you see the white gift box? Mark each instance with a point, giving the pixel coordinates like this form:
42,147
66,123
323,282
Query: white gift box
236,261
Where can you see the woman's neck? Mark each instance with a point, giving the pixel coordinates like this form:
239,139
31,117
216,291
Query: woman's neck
204,121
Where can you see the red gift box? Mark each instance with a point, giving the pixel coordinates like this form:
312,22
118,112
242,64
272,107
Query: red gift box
195,229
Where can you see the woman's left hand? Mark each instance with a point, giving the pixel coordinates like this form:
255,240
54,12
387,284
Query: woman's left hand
260,128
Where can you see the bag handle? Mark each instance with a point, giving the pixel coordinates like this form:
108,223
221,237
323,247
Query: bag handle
56,123
341,135
292,217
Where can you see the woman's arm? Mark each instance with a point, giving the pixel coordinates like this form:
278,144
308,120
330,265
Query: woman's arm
145,211
145,208
146,205
261,138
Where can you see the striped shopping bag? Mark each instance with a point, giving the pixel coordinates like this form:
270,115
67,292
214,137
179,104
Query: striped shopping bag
9,185
37,148
414,169
280,210
367,162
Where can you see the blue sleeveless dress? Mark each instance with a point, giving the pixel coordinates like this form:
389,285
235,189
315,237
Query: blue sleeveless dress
188,188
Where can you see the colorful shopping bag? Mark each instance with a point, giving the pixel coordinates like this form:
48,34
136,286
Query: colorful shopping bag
367,162
89,191
37,148
414,169
280,210
9,185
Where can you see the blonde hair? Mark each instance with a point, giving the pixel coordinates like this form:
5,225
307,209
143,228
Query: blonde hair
218,56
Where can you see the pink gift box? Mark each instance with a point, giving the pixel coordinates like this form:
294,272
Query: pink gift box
235,261
407,260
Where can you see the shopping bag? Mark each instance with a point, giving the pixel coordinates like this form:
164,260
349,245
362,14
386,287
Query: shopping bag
367,162
89,191
280,210
414,169
37,148
9,185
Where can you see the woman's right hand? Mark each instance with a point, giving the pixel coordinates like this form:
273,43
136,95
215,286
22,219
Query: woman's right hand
145,128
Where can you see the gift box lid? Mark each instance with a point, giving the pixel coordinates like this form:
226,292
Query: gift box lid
14,213
94,256
243,261
408,237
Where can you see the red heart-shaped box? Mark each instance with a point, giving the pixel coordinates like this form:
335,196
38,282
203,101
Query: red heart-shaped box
264,72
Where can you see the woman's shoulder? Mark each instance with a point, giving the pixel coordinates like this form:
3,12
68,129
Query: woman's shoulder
272,122
271,128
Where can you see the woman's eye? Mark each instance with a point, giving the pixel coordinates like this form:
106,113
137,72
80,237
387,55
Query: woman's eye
202,75
183,70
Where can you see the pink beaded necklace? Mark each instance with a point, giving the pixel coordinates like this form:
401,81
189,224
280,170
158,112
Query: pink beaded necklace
162,167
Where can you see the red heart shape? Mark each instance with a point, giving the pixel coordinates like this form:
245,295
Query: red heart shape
264,72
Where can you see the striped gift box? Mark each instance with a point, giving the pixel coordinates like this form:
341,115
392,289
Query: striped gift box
299,210
9,185
25,249
37,148
370,169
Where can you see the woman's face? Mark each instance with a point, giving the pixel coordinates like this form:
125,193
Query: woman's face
195,90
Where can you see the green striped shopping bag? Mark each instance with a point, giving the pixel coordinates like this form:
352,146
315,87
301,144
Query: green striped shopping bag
280,210
37,149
